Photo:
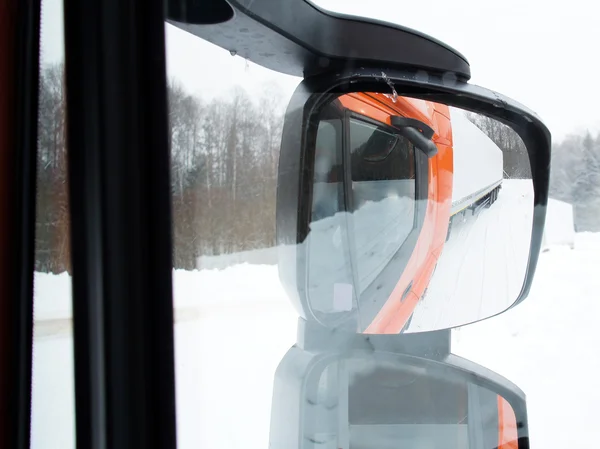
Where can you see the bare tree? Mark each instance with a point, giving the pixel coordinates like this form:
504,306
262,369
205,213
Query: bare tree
223,173
516,159
575,178
52,202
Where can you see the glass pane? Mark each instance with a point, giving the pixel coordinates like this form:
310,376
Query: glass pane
52,409
328,215
226,292
327,188
233,321
390,409
437,221
377,400
383,195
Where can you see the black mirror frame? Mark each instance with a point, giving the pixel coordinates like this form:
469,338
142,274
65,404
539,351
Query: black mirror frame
295,170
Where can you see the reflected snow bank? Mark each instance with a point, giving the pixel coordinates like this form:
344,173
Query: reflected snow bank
233,285
482,267
373,234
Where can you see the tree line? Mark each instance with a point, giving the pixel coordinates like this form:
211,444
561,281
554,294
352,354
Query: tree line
575,178
516,159
574,171
224,156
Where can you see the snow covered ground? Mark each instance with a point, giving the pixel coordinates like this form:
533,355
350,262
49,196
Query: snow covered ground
491,247
234,325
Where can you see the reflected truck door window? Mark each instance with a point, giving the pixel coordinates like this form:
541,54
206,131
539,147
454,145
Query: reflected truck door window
383,195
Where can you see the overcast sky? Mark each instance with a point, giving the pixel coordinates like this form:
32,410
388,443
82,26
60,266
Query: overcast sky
543,54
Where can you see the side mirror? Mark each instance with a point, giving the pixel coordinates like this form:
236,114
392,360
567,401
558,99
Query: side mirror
374,393
408,205
354,271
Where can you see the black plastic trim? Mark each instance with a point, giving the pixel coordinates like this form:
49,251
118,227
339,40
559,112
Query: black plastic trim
417,132
404,122
118,158
19,372
406,291
205,12
419,140
298,38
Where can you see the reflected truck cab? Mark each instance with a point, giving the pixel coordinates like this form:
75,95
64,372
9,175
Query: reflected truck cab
413,192
403,197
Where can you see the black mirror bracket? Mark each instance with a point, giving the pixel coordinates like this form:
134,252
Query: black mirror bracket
417,132
314,337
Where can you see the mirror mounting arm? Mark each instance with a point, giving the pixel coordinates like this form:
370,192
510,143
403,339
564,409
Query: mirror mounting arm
404,122
417,132
312,336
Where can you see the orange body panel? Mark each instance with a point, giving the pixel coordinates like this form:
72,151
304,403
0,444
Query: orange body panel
508,437
395,312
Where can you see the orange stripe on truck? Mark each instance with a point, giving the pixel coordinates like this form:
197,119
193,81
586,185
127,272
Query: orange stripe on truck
400,305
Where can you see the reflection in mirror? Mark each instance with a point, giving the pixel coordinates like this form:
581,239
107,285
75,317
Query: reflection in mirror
380,402
421,215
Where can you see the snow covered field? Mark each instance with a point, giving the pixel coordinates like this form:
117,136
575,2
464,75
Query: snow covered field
234,325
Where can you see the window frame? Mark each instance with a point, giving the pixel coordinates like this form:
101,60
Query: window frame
19,82
352,115
118,167
377,293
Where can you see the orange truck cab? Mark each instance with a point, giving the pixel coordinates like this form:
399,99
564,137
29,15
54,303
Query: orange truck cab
433,176
434,193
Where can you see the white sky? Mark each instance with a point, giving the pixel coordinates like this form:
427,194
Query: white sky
543,54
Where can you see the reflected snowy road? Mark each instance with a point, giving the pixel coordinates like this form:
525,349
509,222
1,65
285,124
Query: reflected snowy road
490,247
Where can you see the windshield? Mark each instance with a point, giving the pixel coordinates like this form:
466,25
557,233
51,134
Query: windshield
235,322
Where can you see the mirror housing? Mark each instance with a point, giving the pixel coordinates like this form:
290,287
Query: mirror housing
302,417
299,38
295,187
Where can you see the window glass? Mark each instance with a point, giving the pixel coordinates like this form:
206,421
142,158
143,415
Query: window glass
327,186
52,408
327,230
233,320
383,195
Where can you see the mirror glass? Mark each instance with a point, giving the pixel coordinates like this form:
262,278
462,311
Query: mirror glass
420,214
380,402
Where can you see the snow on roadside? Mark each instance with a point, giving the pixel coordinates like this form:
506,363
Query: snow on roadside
239,284
227,353
548,346
52,293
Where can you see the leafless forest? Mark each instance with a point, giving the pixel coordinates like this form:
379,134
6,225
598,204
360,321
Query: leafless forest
224,168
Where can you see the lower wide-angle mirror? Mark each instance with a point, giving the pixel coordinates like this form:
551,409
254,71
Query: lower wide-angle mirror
388,401
413,215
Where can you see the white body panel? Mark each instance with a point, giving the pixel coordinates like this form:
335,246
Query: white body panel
478,162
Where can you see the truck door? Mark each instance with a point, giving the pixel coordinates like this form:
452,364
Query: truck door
388,198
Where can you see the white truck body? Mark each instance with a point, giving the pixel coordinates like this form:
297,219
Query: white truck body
478,163
559,229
